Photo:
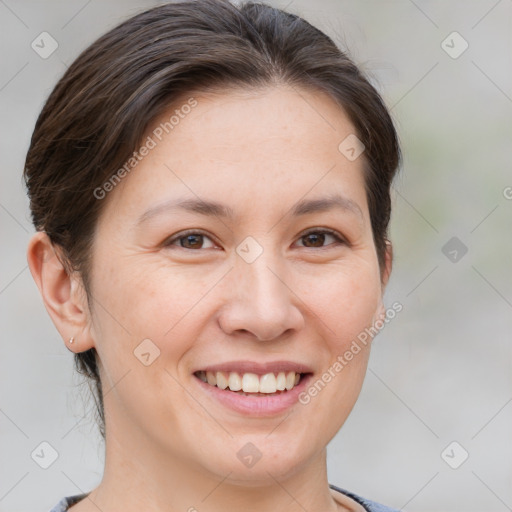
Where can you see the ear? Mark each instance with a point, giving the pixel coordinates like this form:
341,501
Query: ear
388,265
63,294
385,274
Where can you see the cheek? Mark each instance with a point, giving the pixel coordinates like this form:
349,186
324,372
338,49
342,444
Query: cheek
144,327
152,301
346,299
132,297
347,306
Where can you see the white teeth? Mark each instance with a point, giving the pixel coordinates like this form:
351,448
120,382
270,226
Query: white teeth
281,381
222,381
234,382
268,383
251,382
290,380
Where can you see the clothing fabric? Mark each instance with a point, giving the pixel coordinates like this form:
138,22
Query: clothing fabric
369,505
67,502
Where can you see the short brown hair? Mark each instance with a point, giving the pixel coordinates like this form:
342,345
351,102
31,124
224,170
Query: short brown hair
99,110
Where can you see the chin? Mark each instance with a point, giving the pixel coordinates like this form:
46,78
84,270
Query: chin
258,460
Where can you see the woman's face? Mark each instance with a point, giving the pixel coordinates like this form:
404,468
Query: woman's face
241,279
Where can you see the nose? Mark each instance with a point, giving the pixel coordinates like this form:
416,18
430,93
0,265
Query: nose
260,301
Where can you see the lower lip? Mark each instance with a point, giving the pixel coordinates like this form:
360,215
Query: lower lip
256,405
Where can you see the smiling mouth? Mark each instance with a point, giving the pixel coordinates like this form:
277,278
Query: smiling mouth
251,384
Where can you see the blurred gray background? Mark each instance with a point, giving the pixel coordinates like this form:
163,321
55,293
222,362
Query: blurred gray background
439,384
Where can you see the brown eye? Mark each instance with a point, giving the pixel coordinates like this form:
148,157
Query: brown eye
188,240
191,241
316,239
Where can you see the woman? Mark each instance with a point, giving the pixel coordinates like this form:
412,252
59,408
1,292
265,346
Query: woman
210,186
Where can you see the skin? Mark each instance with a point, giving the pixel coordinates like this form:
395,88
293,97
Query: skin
170,446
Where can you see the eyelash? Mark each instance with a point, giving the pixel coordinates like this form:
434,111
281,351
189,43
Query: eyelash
339,239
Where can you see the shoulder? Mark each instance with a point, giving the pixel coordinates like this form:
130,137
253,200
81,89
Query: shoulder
65,503
369,505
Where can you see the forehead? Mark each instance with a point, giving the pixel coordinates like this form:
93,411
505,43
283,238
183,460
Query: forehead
271,144
270,118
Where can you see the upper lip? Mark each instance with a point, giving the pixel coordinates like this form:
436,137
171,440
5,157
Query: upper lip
257,368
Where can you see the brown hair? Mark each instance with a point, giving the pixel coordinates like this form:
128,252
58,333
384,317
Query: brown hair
99,110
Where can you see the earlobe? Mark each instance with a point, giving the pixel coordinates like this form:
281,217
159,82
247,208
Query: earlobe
63,295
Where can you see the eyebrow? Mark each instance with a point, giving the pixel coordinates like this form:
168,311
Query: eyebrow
213,208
